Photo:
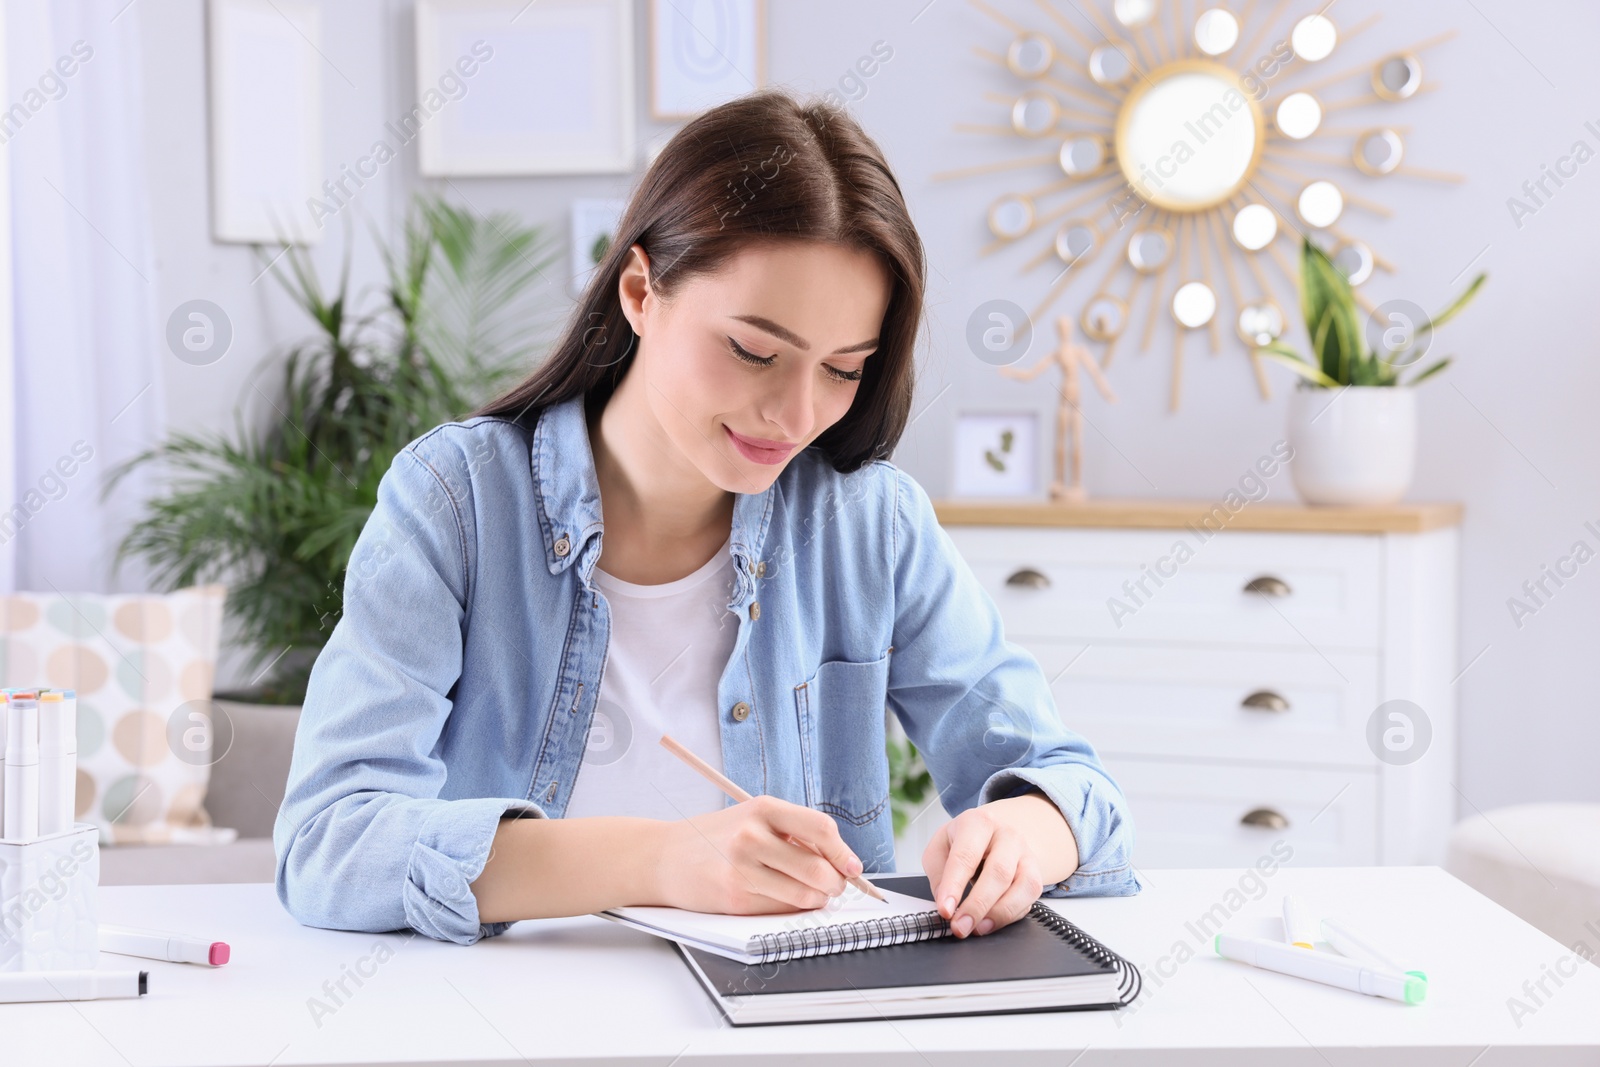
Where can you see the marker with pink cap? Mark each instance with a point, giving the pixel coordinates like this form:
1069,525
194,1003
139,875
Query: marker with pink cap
156,945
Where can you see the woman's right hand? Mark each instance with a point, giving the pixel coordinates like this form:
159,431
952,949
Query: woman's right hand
751,858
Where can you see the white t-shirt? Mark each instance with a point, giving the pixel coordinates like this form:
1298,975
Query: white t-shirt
669,646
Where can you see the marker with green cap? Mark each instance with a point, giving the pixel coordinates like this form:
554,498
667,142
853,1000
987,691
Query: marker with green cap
1322,967
1351,944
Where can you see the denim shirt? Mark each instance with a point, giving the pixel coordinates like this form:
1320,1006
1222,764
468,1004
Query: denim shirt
459,683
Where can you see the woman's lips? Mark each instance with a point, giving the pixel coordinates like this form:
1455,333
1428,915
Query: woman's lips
759,450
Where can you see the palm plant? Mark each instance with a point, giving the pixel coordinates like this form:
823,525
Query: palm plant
1337,340
274,511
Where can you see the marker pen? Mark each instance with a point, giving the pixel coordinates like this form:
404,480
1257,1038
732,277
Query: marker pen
22,768
17,987
56,765
1322,967
1299,929
155,945
1348,943
69,733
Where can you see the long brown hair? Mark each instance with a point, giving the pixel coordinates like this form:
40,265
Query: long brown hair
763,168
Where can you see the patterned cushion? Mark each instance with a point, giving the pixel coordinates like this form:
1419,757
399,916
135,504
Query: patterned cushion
142,666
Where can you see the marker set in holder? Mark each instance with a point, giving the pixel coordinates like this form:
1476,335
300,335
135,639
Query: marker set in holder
39,771
49,864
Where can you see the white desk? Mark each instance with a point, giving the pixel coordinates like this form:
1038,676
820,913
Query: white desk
583,989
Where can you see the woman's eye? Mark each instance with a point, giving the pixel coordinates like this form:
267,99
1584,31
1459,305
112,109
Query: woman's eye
766,361
750,357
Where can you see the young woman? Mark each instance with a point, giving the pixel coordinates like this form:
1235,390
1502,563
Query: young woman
684,522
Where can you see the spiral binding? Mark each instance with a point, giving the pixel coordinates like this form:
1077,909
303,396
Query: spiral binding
900,929
844,937
1132,980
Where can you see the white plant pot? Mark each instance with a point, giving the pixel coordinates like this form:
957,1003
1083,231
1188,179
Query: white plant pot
1356,445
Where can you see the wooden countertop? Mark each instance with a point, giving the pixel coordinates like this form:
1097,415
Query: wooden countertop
1158,513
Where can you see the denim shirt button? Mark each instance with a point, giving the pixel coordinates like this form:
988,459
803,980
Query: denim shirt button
563,546
741,711
755,610
761,569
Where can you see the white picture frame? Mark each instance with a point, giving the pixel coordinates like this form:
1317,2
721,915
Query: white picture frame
554,94
265,90
704,54
983,468
592,218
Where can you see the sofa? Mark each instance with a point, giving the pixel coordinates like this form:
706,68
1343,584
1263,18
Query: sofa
244,794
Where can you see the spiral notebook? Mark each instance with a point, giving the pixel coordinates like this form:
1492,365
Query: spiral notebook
854,920
905,967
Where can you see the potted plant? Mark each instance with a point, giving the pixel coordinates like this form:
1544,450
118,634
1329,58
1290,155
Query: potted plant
274,510
909,783
1356,446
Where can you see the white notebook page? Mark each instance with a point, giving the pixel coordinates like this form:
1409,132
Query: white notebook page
735,932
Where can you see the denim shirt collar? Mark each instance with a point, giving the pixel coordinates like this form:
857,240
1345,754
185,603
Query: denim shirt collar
569,495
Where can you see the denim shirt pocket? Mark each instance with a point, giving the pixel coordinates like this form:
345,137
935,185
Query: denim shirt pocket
841,711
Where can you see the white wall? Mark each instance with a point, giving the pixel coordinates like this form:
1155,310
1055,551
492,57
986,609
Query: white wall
1509,430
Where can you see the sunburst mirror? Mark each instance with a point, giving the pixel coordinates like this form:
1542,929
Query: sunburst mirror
1192,147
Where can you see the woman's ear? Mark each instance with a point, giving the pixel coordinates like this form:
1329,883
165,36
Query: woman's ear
633,286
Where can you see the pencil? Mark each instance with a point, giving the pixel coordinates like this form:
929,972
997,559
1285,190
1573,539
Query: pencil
732,788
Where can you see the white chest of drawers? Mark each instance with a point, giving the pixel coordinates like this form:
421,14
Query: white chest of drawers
1242,688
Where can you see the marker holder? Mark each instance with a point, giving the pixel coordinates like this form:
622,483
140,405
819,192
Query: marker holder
48,917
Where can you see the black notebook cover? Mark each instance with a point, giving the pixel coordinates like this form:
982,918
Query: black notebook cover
1027,948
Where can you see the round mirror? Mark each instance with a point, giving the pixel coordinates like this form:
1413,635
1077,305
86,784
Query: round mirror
1378,152
1010,217
1083,157
1031,55
1074,240
1194,304
1105,317
1187,138
1149,249
1260,323
1354,260
1216,31
1255,227
1314,38
1035,114
1320,204
1398,76
1109,64
1134,13
1298,116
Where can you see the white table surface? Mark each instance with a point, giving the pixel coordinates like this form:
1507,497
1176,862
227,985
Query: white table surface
583,990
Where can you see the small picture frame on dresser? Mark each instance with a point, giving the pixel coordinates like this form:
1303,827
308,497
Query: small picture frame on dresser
996,456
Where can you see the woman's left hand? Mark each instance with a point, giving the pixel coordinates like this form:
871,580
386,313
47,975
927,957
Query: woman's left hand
1021,843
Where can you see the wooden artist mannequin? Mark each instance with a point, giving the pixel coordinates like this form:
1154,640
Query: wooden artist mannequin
1069,356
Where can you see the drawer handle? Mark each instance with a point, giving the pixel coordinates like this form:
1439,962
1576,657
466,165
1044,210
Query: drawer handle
1265,700
1265,818
1029,578
1267,585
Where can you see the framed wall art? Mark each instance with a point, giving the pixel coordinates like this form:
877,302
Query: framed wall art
551,89
266,119
704,53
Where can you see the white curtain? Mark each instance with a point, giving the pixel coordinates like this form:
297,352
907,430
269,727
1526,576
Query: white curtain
87,336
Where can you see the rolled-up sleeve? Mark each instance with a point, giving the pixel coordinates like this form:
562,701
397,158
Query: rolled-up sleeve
979,709
363,839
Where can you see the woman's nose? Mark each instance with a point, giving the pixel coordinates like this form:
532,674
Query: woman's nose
794,406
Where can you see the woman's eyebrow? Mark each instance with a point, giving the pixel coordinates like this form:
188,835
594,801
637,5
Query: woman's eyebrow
790,337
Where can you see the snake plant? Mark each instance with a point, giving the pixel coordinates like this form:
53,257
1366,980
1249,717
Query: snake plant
1338,343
